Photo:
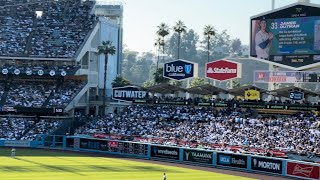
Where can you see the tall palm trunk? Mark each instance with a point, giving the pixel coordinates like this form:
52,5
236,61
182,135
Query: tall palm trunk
179,45
208,48
163,53
105,84
156,75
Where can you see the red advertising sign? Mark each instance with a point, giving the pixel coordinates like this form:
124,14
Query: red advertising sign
222,70
113,144
303,170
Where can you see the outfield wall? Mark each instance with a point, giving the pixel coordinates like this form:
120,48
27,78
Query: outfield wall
232,161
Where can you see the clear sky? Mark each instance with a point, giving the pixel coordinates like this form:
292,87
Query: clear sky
141,17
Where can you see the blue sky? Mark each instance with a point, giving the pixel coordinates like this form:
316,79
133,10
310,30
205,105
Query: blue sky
141,17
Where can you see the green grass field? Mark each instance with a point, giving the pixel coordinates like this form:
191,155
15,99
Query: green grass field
49,165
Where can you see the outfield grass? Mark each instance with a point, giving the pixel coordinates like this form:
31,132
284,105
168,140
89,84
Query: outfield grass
49,165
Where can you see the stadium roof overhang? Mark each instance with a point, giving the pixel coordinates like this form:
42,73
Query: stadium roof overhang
165,88
206,89
241,90
35,58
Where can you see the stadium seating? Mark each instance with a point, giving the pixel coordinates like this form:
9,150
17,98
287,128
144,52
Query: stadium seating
40,94
58,33
172,125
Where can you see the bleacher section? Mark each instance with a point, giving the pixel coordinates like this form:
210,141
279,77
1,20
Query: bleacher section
39,94
57,33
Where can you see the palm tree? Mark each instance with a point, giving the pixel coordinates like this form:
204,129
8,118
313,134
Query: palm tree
159,42
179,28
208,33
107,49
163,31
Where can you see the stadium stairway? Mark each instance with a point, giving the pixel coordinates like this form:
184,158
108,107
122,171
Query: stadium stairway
51,95
28,129
77,98
5,94
69,126
29,40
64,13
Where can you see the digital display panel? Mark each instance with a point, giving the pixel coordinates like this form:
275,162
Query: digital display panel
289,37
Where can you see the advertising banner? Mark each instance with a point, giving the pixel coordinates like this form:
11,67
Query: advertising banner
128,93
223,70
17,143
197,156
252,94
165,152
180,69
286,77
266,165
232,160
296,95
303,170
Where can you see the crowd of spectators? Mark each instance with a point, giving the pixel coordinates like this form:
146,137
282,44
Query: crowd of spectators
50,28
67,91
206,125
14,128
44,126
42,94
196,100
28,94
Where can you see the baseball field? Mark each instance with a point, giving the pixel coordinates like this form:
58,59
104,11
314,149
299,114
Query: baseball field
39,164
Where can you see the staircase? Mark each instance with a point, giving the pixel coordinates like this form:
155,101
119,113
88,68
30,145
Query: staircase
69,126
5,94
29,40
51,95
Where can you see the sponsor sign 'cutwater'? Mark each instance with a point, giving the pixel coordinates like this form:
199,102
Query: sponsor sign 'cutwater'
179,69
128,93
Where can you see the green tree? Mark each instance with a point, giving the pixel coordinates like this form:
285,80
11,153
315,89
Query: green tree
176,83
163,31
197,82
188,45
159,43
147,83
179,28
236,46
208,33
120,82
106,49
158,76
234,83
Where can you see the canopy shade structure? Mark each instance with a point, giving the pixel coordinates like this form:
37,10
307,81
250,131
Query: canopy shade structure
206,89
165,88
284,92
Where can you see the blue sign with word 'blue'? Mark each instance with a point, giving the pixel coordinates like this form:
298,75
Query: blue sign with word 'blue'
178,70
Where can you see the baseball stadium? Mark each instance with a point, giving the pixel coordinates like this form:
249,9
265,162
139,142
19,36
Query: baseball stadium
67,111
